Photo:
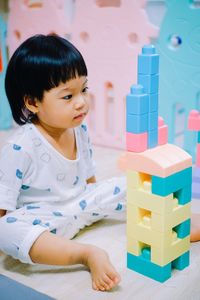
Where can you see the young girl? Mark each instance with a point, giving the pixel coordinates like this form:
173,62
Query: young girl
48,190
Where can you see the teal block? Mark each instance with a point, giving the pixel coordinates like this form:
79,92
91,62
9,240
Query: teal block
146,253
148,61
137,123
167,185
147,268
137,102
182,261
184,195
152,138
153,120
149,82
5,112
198,137
183,229
153,102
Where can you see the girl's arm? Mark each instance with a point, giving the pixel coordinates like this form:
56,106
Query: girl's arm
91,180
2,212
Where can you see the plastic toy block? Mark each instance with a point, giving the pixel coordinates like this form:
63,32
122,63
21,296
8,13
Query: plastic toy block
149,82
198,137
182,261
153,102
147,268
154,203
137,102
194,120
158,222
183,229
161,161
152,138
160,255
148,61
198,156
136,180
153,120
137,123
164,256
184,195
173,183
136,142
162,132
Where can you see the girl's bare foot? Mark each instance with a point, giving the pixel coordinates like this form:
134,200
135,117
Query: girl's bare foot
195,228
104,275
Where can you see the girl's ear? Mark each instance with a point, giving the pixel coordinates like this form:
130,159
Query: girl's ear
31,104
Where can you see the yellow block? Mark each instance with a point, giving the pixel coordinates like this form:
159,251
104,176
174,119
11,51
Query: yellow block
135,179
145,199
148,236
158,222
160,256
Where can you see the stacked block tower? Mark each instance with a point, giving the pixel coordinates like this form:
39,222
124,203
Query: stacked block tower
194,124
158,182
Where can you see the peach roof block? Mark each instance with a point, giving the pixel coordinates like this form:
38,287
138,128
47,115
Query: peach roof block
161,161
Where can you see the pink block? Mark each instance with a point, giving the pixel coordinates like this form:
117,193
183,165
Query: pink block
162,132
198,155
194,120
136,142
161,161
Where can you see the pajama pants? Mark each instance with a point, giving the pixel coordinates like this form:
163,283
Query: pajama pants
21,228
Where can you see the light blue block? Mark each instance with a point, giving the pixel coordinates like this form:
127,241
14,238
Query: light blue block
153,102
153,121
183,229
137,102
148,61
182,261
173,183
152,138
137,123
198,137
149,82
184,195
145,267
5,112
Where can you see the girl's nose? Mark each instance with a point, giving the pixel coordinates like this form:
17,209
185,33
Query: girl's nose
80,102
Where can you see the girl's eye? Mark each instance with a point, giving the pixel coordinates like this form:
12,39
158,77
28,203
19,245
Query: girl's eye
85,89
67,97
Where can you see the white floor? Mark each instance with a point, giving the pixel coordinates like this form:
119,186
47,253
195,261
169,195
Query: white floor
73,283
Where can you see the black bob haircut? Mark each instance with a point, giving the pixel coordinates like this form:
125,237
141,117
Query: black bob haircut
39,64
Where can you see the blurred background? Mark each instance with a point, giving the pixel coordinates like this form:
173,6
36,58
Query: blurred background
110,35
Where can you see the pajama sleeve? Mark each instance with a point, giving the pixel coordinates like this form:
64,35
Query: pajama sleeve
87,152
14,163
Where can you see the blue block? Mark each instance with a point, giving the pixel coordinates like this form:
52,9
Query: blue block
173,183
137,123
149,82
184,195
153,102
198,137
152,138
182,261
148,61
137,102
153,121
147,268
183,229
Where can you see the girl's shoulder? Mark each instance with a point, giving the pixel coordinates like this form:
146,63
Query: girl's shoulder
20,137
83,132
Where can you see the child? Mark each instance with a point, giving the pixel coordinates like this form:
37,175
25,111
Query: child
48,190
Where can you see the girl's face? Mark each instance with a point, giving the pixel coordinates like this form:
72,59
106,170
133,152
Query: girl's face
64,106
